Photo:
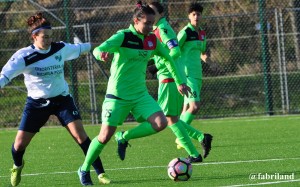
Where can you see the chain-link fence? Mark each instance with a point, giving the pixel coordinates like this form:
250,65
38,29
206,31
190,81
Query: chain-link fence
253,44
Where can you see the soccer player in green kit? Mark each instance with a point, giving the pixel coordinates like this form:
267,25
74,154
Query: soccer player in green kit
192,42
127,91
168,98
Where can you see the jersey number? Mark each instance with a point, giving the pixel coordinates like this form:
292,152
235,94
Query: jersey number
108,113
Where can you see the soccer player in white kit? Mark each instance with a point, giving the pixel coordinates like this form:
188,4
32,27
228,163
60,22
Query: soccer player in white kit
42,65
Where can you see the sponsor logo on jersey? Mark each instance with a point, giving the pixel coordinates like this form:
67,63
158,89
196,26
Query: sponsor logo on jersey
165,31
49,70
134,43
143,53
150,44
58,58
75,113
45,104
31,56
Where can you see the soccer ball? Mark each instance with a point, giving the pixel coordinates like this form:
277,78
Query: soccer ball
180,169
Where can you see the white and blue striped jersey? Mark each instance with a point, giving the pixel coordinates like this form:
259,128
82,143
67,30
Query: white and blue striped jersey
43,70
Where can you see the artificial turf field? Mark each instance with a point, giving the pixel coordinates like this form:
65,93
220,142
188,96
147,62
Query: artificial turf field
242,148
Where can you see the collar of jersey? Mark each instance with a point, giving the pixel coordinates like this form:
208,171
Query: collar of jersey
132,29
192,27
41,50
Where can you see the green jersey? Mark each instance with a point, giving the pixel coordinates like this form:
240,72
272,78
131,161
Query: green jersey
167,37
128,69
192,43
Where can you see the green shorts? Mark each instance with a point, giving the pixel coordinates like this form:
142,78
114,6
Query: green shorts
169,99
115,111
195,85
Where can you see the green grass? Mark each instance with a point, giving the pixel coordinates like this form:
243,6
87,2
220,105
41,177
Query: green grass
241,146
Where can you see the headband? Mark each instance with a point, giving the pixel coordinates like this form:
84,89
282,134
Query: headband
40,28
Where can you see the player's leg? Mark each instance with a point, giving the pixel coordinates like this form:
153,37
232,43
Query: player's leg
170,101
147,111
192,102
111,107
78,133
186,116
204,138
193,132
152,119
69,117
155,123
95,149
22,140
35,115
190,109
182,136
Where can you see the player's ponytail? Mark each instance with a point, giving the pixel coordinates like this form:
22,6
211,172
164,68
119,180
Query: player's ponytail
37,22
142,9
158,6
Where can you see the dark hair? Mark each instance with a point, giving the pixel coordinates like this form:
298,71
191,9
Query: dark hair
158,6
142,9
37,21
195,7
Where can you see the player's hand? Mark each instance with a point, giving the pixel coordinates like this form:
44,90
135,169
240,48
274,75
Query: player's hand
184,89
204,57
104,56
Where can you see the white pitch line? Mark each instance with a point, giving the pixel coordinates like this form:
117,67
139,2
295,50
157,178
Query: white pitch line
149,167
248,119
246,161
263,183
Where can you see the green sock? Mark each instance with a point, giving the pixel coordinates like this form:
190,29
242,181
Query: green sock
142,130
187,117
192,132
94,151
184,138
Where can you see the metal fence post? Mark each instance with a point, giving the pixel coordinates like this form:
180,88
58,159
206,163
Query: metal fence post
279,60
73,76
283,62
266,58
90,67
